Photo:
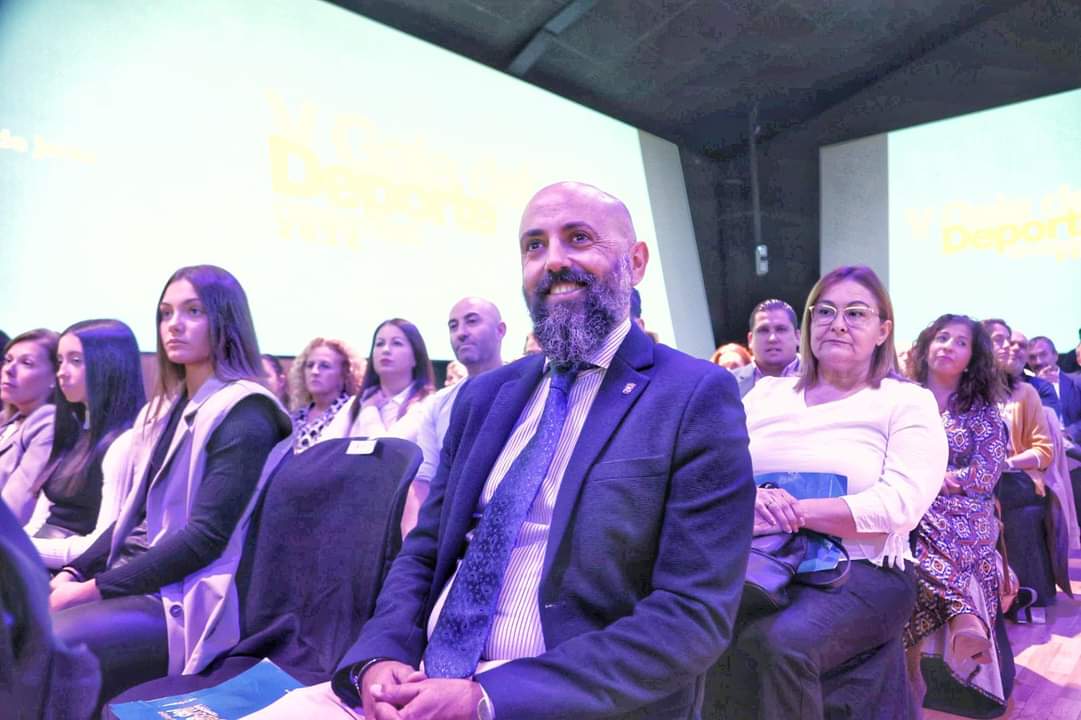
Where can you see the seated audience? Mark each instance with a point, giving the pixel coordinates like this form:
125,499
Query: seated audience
398,377
324,376
852,415
476,337
275,380
1041,358
1070,361
1030,443
27,388
152,595
456,372
1011,348
731,356
774,342
626,459
101,390
636,315
956,539
531,347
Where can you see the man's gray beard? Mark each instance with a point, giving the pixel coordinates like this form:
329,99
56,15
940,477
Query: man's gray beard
569,332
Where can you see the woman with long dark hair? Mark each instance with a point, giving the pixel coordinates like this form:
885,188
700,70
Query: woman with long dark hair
398,377
154,595
957,575
27,388
101,390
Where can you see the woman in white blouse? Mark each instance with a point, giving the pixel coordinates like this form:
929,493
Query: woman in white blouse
398,376
849,414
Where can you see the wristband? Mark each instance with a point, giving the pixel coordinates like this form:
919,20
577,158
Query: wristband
73,572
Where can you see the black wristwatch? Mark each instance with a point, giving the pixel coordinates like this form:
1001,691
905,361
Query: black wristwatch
357,674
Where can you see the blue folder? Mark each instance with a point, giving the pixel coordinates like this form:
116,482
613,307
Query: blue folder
252,690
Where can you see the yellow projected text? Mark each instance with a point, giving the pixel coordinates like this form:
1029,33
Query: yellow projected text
1009,226
334,173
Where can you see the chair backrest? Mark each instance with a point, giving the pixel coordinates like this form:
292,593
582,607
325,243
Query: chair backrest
320,543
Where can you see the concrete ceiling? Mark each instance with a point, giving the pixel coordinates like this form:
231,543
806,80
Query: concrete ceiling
691,71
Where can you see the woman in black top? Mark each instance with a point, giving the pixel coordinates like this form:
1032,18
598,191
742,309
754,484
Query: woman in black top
101,389
203,440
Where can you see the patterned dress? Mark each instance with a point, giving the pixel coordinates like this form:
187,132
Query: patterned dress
956,538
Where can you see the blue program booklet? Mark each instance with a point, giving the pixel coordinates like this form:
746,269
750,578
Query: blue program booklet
822,553
249,691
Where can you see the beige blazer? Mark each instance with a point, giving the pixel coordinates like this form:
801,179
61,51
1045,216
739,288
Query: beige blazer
202,610
23,456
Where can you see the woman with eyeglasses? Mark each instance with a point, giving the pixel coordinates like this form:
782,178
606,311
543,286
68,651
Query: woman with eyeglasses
851,415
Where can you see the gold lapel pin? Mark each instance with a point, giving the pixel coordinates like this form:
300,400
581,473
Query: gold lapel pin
627,388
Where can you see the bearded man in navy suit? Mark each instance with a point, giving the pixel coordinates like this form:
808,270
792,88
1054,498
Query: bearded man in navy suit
624,577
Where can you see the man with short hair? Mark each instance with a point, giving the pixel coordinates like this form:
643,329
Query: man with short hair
774,343
1042,357
476,337
582,551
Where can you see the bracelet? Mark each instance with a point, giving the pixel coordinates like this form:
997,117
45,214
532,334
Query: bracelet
73,572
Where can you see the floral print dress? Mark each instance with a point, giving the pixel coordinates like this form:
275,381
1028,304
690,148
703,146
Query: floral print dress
956,538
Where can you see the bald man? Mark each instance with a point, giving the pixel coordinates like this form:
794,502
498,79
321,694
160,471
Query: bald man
476,337
582,551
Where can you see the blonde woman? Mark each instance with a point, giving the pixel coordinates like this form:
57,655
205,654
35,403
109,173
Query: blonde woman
323,378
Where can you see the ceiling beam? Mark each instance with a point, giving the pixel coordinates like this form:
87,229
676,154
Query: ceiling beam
535,47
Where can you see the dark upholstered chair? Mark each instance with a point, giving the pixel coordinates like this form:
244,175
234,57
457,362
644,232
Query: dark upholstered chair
321,541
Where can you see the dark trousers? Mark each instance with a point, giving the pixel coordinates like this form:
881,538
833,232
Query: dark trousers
776,664
126,634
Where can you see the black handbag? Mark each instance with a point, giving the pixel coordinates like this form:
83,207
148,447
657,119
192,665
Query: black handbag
773,565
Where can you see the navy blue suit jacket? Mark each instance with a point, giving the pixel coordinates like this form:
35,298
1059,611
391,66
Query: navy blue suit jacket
1069,391
1045,390
646,553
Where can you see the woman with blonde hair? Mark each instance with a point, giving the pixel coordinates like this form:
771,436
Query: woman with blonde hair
324,376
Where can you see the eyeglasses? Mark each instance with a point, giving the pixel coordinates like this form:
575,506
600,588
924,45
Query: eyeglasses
855,315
